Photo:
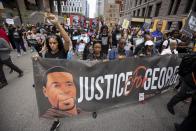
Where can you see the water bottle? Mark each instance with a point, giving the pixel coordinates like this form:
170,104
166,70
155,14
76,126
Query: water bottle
69,55
109,54
115,52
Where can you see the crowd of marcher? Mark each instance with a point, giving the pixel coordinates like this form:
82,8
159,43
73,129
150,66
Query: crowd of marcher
59,41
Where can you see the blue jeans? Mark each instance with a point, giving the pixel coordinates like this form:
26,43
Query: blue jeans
20,44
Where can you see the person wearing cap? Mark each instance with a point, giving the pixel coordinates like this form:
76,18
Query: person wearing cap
149,49
172,49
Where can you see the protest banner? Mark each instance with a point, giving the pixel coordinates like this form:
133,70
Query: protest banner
190,24
67,88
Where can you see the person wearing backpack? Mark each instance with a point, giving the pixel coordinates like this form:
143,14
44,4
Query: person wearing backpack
171,50
188,86
174,36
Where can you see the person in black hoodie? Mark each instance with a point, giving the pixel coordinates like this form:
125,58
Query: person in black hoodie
188,124
188,86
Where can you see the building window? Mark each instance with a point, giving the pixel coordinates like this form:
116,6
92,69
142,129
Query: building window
136,2
77,9
149,10
171,6
62,2
140,2
143,12
179,25
188,6
158,7
177,6
134,13
138,12
169,25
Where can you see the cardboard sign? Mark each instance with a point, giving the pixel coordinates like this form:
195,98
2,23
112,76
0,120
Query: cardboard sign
190,25
125,24
9,21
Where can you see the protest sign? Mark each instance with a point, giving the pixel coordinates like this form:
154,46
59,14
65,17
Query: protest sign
190,24
9,21
68,88
125,24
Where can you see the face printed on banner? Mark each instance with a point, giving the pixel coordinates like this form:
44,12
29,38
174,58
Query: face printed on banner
61,91
192,23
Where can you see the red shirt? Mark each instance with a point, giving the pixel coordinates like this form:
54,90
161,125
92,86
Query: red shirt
4,35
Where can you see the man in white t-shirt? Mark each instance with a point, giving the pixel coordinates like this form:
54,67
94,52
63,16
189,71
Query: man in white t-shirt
166,43
171,49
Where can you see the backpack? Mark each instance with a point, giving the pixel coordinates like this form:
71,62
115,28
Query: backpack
161,45
186,65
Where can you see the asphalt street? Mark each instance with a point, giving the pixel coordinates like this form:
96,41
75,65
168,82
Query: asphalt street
18,109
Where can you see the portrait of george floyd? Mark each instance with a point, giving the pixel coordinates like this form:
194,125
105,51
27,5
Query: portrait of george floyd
60,91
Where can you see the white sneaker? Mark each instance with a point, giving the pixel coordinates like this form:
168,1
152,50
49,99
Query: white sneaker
19,55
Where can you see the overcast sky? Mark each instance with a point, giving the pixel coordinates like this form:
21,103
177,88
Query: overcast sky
92,4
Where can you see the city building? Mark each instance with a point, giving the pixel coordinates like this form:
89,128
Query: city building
111,12
73,7
87,9
173,12
100,8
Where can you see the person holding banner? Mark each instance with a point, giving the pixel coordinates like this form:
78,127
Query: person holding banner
55,46
56,49
174,36
97,52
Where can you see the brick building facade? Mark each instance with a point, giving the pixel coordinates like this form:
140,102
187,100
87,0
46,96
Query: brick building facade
173,11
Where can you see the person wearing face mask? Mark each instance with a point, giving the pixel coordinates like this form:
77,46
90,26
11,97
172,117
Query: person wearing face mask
84,37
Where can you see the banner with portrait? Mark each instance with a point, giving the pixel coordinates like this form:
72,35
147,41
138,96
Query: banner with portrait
68,88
